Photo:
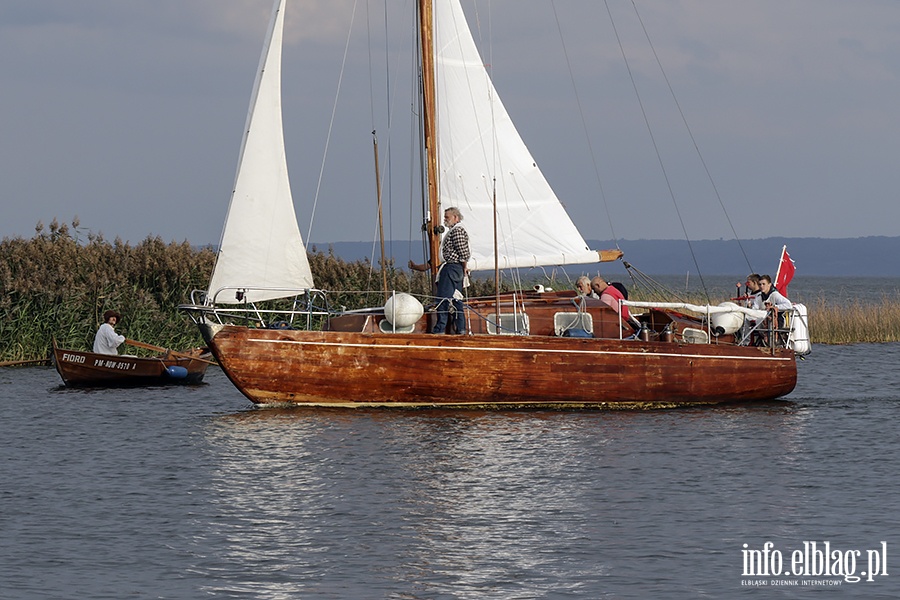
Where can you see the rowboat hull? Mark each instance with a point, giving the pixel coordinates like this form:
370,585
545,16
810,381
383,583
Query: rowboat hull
333,368
86,369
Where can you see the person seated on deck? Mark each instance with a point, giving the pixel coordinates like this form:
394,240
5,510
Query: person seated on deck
583,287
752,286
770,299
621,287
749,300
107,341
610,294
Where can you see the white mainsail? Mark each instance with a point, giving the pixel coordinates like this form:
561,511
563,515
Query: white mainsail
478,142
261,245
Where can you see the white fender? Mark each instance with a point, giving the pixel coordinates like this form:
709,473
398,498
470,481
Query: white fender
403,310
800,330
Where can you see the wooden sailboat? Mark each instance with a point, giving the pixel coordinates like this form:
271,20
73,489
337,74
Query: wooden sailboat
518,351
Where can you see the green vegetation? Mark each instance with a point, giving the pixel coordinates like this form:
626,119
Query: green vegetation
840,323
59,283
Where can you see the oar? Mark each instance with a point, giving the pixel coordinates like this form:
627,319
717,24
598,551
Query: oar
159,349
16,363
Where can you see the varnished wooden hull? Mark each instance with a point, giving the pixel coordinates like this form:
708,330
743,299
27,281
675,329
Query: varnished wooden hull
86,369
334,368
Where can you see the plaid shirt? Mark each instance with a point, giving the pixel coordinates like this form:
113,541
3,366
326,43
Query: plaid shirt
455,247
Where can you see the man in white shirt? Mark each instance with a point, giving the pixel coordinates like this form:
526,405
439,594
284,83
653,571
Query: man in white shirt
107,341
770,297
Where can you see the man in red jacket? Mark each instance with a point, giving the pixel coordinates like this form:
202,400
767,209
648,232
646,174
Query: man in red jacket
611,295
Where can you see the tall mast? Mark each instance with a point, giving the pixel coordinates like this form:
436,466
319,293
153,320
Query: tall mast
433,221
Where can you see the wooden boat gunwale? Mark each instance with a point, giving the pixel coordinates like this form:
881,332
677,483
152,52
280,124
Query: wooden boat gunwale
371,368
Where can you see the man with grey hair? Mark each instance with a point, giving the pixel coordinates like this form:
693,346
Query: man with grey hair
583,287
454,256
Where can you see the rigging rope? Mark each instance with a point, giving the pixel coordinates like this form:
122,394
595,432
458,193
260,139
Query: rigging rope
659,159
584,128
691,134
495,156
331,124
651,289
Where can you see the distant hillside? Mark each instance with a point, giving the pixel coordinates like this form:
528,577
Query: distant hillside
861,257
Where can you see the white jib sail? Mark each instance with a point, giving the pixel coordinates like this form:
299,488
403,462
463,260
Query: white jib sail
261,245
478,142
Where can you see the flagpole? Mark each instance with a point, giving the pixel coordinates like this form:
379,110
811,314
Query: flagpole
780,262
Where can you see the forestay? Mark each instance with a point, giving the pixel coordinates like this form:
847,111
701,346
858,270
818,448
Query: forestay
261,245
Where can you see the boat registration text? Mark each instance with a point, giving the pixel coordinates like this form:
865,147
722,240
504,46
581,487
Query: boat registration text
114,364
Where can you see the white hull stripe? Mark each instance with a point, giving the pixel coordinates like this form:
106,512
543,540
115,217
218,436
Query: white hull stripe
523,350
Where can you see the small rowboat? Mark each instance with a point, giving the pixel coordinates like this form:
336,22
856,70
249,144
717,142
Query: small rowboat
87,369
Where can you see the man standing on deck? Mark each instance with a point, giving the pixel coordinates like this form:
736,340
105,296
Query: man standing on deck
454,256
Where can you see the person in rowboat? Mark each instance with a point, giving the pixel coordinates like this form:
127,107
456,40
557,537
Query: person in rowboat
107,341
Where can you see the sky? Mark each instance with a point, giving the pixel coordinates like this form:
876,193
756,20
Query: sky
773,118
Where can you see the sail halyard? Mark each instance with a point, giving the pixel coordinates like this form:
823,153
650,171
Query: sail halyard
479,148
261,245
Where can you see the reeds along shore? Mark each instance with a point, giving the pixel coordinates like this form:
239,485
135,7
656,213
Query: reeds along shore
60,282
856,322
57,285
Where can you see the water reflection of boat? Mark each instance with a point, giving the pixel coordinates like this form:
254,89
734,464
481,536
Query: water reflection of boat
87,369
525,348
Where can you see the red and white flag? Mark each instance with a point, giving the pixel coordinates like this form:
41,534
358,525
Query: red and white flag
785,272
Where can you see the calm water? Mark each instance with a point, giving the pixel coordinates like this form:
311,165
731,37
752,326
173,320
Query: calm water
191,493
